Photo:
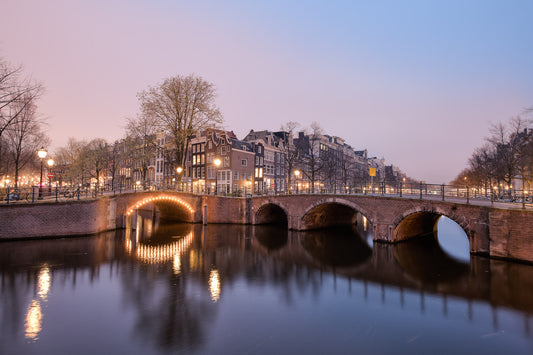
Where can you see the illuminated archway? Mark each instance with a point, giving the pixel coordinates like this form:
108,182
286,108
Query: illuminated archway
167,206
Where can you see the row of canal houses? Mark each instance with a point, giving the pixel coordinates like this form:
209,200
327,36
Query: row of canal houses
263,162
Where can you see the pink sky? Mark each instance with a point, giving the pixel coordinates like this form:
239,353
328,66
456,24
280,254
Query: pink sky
418,85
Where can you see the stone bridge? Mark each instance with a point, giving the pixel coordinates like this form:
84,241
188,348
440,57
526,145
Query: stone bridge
496,232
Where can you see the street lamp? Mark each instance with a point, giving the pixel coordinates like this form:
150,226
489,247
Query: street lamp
50,163
42,153
217,163
179,170
296,174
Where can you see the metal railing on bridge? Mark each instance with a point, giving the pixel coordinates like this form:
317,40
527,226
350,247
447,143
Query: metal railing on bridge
442,192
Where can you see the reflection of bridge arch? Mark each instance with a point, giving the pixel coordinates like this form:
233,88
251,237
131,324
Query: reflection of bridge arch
419,221
167,206
271,213
152,254
330,212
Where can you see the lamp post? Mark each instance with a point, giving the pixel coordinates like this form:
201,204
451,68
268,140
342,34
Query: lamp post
179,170
42,153
297,175
50,163
217,164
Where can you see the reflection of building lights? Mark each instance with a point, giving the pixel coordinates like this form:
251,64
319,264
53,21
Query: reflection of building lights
34,318
176,265
160,198
365,221
44,283
195,259
214,285
152,254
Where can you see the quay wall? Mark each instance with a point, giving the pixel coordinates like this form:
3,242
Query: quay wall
20,221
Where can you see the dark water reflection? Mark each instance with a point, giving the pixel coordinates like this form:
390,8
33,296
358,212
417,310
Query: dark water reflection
261,290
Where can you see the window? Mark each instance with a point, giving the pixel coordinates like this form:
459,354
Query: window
235,175
244,162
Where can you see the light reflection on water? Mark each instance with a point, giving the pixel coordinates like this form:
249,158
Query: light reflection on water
261,289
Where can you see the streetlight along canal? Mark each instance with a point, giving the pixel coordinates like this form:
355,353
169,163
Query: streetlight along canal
189,288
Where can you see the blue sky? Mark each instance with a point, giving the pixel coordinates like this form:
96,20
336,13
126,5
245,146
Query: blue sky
415,82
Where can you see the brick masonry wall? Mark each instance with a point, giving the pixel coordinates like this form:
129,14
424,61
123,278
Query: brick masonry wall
57,219
511,234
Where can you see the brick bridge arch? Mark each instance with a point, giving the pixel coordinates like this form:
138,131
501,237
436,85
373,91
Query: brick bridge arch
419,220
171,205
331,211
393,219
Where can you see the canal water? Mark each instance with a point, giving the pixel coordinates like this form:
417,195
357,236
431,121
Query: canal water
226,289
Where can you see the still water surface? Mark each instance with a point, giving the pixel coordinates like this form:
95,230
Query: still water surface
258,290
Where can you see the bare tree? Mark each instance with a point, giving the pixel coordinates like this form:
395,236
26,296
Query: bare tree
309,148
16,94
24,138
95,156
181,106
288,151
141,132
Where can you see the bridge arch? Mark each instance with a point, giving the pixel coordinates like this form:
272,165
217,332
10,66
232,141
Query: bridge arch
271,213
420,221
170,207
330,212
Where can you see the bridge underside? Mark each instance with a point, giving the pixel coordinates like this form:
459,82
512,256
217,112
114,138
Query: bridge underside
271,214
329,215
416,225
171,212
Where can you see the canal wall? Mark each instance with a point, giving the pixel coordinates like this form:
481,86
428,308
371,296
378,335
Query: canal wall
44,219
511,234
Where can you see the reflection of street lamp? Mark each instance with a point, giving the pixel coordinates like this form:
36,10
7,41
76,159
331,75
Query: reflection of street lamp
297,174
42,153
217,163
179,170
50,163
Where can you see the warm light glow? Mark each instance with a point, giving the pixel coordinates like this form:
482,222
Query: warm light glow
214,285
160,198
44,283
137,182
217,162
176,265
42,153
50,162
297,173
34,318
151,254
179,169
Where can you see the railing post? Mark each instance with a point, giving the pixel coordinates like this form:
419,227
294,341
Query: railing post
401,188
7,195
56,193
491,197
523,199
420,189
467,195
442,191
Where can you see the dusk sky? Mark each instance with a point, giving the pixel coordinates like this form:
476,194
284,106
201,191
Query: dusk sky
415,82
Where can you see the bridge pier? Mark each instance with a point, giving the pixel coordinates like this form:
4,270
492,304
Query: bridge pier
383,232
